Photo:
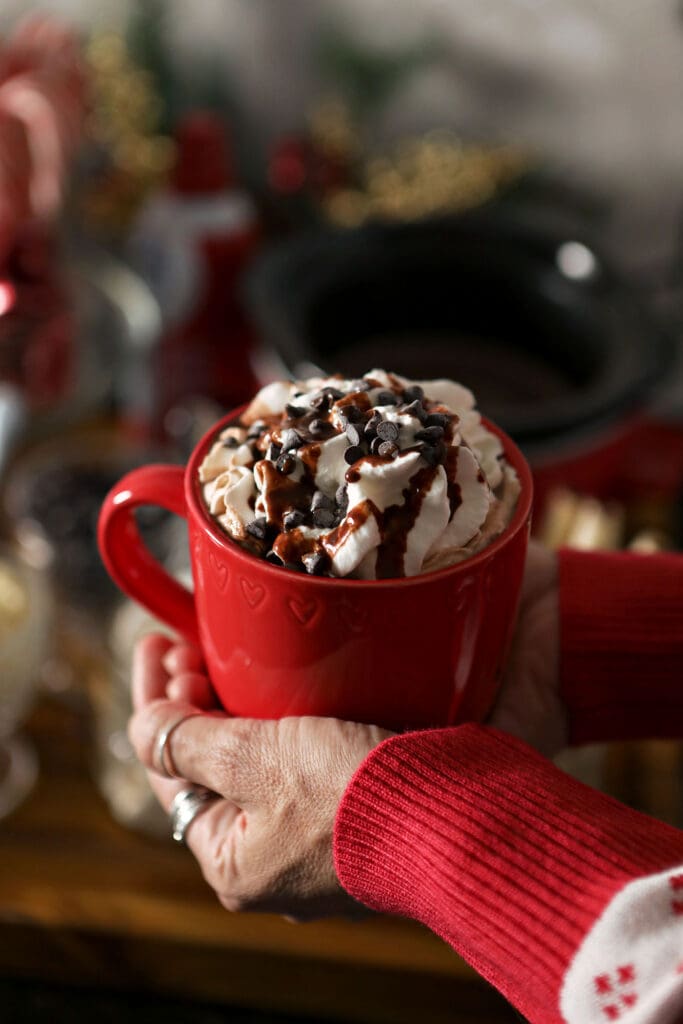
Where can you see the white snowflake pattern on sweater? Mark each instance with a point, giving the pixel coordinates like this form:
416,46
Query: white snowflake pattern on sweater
629,967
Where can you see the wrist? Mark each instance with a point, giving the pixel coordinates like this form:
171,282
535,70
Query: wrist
497,851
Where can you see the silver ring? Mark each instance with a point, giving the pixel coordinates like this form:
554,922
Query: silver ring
161,745
186,806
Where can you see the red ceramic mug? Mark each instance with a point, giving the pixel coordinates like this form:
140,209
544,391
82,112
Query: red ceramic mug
414,652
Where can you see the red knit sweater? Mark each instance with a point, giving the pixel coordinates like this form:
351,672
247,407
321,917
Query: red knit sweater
568,902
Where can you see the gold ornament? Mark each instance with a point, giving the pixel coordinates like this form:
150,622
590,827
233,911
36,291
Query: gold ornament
425,176
123,125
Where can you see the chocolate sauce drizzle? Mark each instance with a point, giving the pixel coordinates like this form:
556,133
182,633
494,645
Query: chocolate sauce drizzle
286,491
396,523
454,489
354,519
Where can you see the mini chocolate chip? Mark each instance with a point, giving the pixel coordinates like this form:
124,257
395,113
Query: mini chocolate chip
353,433
230,442
334,393
437,419
373,423
285,464
353,414
353,453
413,393
321,500
318,427
387,398
291,439
387,430
294,412
274,452
274,559
432,435
321,402
433,454
291,520
428,453
257,528
323,518
314,562
387,449
415,409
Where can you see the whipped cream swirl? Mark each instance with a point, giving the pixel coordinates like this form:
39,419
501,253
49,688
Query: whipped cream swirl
371,478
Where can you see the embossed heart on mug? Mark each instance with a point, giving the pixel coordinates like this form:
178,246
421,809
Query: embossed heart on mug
348,613
303,611
220,569
254,593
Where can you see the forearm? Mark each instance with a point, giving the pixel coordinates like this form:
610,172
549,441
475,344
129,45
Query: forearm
511,861
621,645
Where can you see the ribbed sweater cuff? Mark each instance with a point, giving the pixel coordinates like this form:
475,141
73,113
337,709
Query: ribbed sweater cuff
508,859
621,645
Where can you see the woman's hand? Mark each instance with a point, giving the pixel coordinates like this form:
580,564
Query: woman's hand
529,704
266,844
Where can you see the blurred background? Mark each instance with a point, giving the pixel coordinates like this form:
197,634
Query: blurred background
198,198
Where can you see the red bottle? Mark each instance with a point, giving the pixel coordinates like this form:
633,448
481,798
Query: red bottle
37,324
192,244
36,319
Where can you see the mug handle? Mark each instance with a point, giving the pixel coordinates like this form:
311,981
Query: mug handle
126,557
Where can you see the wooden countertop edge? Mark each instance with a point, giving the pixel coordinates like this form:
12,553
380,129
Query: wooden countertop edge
378,941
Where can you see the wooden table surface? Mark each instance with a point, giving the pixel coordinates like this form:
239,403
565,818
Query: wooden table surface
86,901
